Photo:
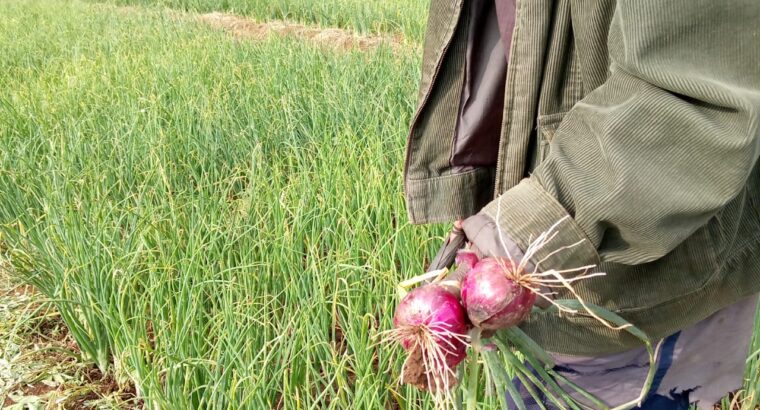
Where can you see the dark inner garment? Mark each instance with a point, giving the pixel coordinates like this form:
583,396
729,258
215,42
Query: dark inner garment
481,107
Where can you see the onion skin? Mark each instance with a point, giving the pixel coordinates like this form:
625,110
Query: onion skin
433,307
492,298
467,258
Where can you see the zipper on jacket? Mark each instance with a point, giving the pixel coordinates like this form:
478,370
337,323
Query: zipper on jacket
425,98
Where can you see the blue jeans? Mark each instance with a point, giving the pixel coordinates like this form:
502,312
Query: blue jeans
683,376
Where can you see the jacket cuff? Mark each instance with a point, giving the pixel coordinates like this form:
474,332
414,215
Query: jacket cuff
449,197
526,211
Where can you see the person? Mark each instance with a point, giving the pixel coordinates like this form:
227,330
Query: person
635,124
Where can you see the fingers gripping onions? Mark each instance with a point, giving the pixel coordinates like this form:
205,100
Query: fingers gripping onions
437,330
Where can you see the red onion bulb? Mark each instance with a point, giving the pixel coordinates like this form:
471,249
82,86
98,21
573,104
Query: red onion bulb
434,310
492,296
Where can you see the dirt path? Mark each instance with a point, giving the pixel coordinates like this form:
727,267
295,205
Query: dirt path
246,28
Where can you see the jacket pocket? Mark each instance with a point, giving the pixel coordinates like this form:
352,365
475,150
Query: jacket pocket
547,126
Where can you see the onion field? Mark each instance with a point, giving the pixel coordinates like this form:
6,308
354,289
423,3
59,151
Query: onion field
218,222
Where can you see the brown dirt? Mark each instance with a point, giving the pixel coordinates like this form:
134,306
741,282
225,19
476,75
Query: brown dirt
414,370
280,402
20,290
334,38
339,339
37,389
99,386
107,385
151,334
415,373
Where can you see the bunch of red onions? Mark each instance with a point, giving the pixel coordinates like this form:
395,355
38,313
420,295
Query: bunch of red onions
431,322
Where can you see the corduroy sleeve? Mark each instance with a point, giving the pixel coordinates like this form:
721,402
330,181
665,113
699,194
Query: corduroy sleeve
670,138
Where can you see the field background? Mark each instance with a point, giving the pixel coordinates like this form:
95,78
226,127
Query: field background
216,222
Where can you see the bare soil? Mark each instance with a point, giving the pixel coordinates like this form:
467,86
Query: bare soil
335,38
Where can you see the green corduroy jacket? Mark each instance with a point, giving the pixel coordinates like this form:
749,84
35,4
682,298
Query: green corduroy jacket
638,119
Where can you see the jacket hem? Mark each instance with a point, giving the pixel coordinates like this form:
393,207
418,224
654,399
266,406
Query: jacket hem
450,197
